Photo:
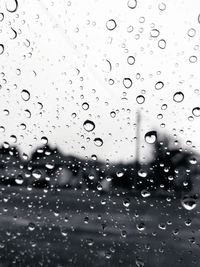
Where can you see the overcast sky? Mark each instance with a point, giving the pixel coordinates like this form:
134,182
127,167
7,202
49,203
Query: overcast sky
106,54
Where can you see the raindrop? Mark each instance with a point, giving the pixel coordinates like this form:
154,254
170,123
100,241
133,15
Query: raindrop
11,6
193,59
19,180
162,43
162,6
14,34
25,95
126,202
50,165
140,99
145,193
150,137
64,231
85,106
127,82
13,139
196,111
31,226
112,114
1,17
191,32
111,24
88,125
98,142
155,33
132,4
131,60
178,97
27,113
36,174
2,129
159,85
140,226
189,203
198,18
44,140
1,49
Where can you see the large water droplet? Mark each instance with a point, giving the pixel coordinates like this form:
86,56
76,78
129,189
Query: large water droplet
162,43
127,82
178,97
131,60
36,174
88,125
85,106
25,95
132,4
159,85
98,142
140,99
196,111
189,203
19,180
11,6
111,24
150,137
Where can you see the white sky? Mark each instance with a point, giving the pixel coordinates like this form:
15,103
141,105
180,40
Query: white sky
66,64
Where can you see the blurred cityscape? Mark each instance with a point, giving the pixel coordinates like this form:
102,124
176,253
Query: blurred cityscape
170,170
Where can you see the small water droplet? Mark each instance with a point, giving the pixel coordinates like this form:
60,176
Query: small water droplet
193,59
36,174
31,226
154,33
112,114
1,49
19,180
162,6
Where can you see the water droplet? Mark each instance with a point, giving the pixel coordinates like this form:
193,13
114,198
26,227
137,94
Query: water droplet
64,231
159,85
142,173
36,174
85,106
196,111
88,125
27,113
198,19
140,99
140,226
111,24
193,59
162,43
25,95
44,140
162,6
98,142
131,60
1,49
19,180
154,33
112,114
191,32
14,34
145,193
11,6
150,137
2,129
132,4
1,17
127,82
189,203
178,97
13,138
50,165
31,226
126,202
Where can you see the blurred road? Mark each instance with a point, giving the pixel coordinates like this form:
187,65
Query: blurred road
78,228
